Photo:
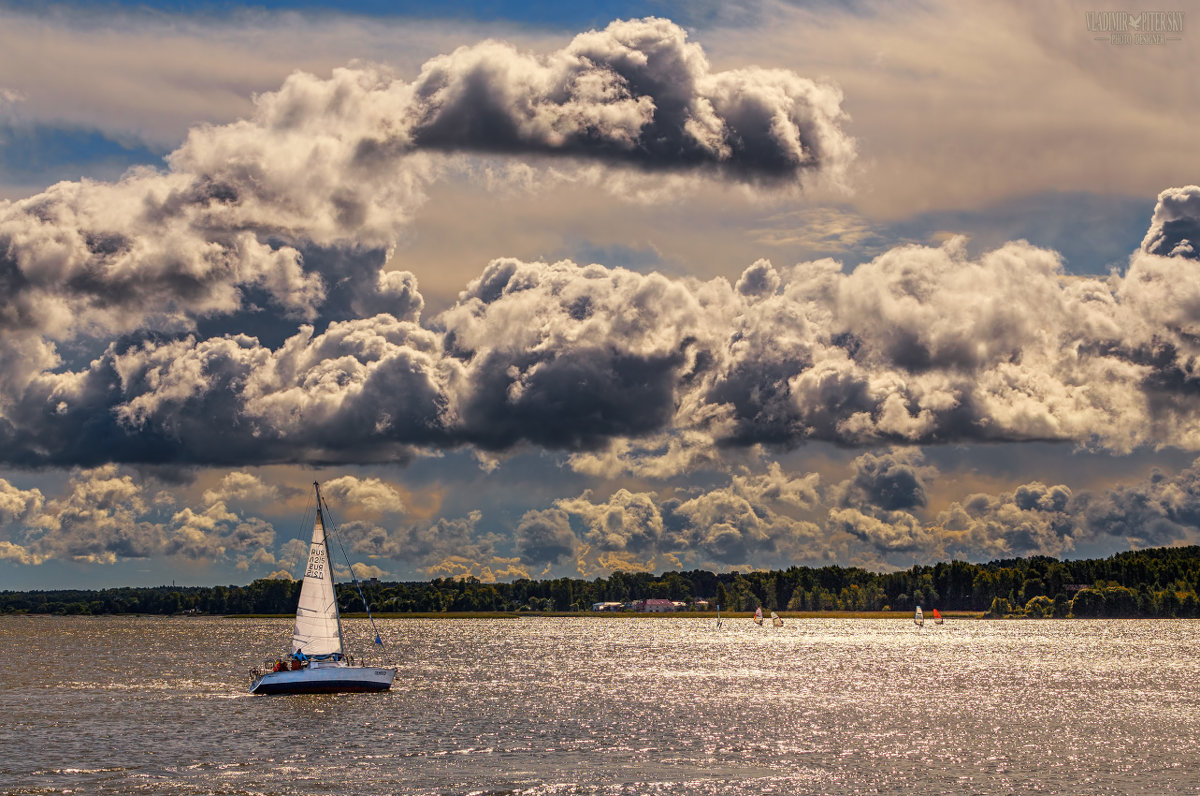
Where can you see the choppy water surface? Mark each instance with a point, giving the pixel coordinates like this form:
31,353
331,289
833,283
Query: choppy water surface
609,706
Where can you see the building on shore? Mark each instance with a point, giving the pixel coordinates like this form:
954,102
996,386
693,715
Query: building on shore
654,606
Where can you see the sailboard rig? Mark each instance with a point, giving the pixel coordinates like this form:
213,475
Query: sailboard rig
776,619
919,618
937,617
317,664
758,620
718,616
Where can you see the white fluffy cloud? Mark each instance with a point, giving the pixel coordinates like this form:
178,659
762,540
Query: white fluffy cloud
106,515
635,92
369,495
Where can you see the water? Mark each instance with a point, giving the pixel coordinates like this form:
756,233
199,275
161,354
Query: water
609,706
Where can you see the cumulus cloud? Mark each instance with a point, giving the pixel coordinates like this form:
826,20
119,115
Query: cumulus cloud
636,92
370,495
241,307
290,214
101,518
627,521
363,571
923,345
545,536
1175,228
1163,509
765,516
105,515
422,544
887,531
892,481
254,207
17,504
758,516
1034,519
241,486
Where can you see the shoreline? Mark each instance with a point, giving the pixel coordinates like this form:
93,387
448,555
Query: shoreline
627,615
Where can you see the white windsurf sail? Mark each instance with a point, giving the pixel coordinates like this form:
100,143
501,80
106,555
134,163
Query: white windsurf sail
758,616
318,627
776,620
919,618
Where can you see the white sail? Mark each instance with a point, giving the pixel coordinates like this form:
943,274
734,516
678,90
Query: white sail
318,629
919,618
776,620
758,615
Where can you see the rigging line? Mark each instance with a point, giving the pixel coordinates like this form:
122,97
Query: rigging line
357,585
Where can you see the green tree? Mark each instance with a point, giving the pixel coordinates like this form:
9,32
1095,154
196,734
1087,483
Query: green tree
1087,603
722,596
1033,587
1039,607
1000,607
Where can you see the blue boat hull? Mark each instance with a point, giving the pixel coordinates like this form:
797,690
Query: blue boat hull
324,680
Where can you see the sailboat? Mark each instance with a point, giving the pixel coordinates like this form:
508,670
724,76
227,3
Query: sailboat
776,619
317,663
918,618
758,615
937,617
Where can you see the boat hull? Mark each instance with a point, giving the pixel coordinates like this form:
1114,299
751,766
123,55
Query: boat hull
324,680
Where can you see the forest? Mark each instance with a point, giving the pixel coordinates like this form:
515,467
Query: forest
1159,582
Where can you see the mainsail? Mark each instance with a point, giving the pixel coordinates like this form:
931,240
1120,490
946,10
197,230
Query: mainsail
918,618
318,628
758,616
776,619
937,617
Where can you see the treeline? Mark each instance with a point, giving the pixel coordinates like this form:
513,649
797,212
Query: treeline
1161,582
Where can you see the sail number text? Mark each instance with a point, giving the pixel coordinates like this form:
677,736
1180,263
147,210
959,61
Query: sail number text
316,563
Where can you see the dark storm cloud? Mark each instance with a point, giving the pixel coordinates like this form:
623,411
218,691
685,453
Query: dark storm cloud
894,480
229,400
576,401
1175,228
1160,510
545,537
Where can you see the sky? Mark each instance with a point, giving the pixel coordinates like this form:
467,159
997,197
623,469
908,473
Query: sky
551,289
